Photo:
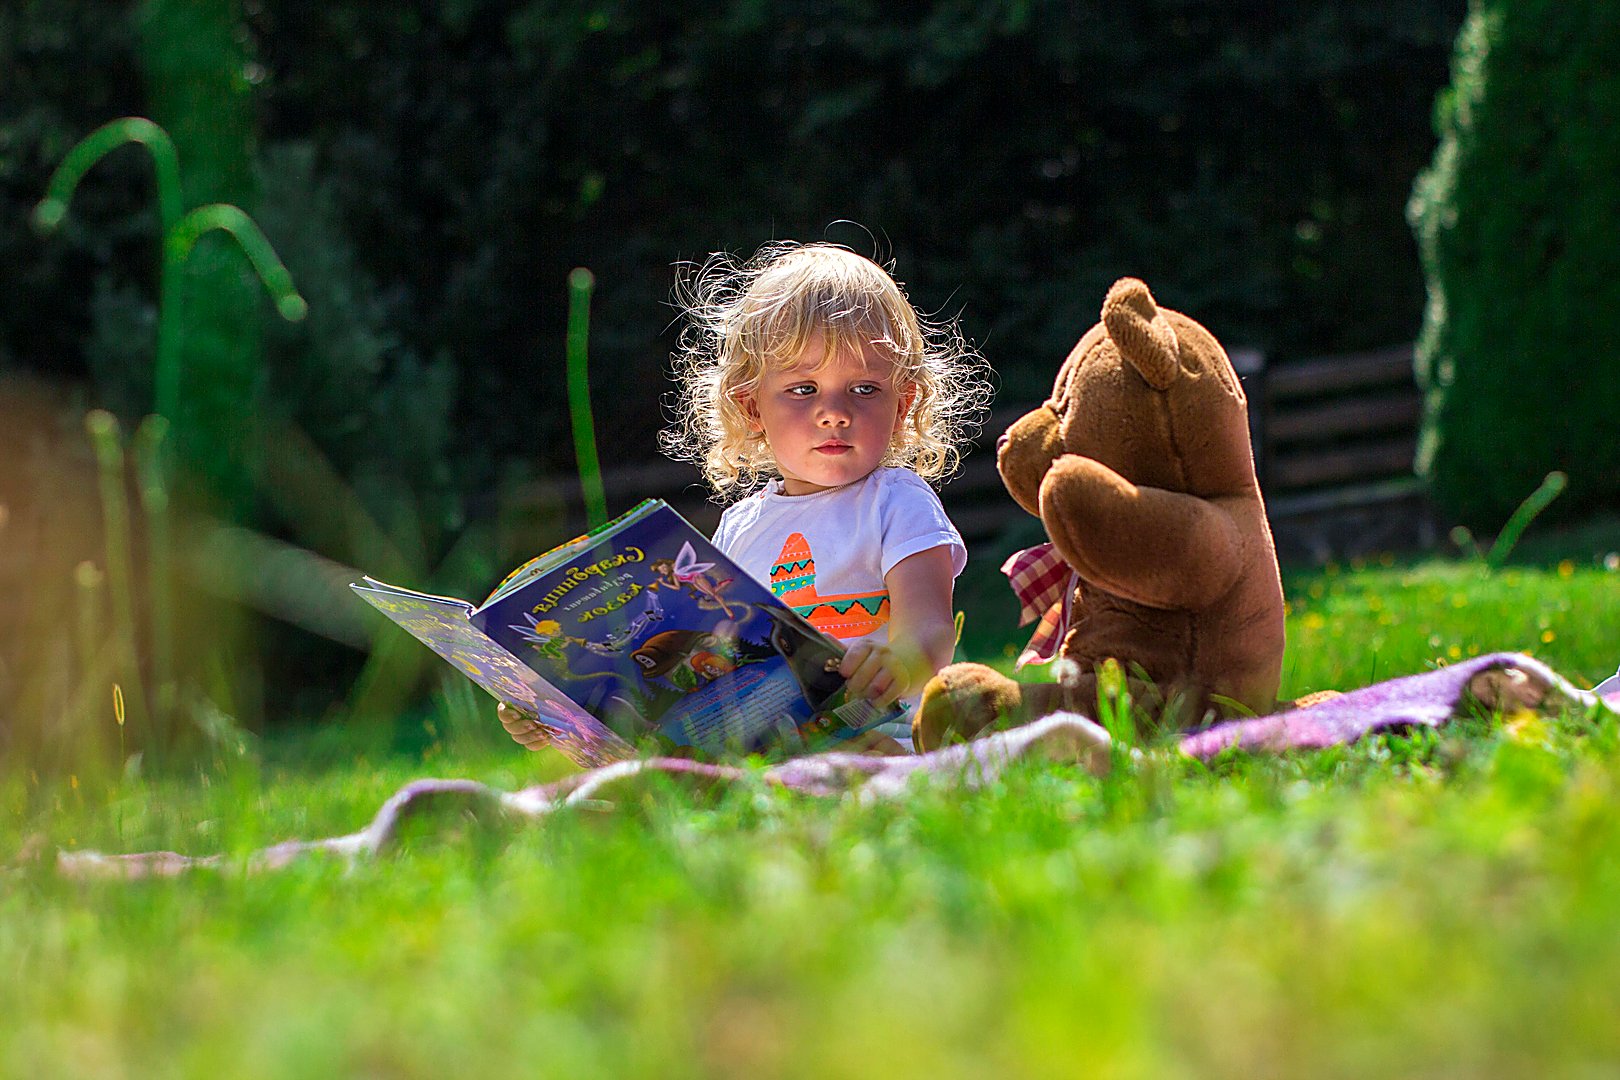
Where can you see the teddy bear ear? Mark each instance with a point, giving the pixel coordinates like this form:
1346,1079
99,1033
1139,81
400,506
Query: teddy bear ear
1142,335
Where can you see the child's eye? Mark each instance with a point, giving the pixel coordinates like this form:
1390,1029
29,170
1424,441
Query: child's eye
865,389
802,390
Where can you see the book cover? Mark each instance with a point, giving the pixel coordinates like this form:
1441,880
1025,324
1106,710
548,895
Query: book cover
643,633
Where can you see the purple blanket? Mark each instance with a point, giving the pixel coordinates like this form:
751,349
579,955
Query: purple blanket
1504,681
1507,681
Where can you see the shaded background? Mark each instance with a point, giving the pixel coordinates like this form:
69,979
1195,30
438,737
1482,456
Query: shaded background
431,171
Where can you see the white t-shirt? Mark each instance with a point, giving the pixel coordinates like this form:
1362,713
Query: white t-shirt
826,554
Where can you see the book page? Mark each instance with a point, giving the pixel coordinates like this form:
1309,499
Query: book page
441,623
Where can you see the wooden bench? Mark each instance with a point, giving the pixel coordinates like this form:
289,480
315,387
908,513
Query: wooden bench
1335,442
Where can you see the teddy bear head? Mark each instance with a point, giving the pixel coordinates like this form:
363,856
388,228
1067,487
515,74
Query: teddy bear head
1148,392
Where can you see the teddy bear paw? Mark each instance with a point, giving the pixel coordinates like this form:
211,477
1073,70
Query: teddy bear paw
960,702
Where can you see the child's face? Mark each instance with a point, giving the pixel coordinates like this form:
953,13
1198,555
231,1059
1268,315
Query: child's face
829,422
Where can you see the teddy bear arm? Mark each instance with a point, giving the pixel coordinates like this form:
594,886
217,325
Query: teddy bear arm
1160,548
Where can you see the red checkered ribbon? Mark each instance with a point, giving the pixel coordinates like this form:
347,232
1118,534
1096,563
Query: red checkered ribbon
1045,586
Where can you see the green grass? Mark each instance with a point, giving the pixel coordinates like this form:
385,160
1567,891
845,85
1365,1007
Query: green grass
1444,904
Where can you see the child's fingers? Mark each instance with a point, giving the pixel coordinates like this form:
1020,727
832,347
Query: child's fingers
890,696
535,738
858,669
854,658
525,730
889,685
873,676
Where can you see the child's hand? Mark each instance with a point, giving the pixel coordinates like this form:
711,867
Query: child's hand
525,730
883,674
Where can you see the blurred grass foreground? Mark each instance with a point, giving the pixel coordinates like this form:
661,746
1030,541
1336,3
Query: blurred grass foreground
1440,902
1436,903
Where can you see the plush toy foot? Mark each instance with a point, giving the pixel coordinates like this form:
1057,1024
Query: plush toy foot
965,700
960,702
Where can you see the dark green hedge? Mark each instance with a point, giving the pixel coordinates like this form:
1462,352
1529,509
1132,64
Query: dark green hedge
1518,219
1014,156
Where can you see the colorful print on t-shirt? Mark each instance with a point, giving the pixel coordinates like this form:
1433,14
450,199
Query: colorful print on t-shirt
850,615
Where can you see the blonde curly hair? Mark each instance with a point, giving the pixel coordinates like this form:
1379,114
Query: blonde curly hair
743,317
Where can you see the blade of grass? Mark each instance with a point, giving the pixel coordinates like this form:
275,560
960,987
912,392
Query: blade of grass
1538,500
580,285
147,447
104,437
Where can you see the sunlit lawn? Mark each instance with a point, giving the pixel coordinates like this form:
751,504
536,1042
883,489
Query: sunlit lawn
1439,905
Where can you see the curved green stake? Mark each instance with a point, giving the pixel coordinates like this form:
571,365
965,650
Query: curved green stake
180,232
178,244
580,284
97,145
52,209
234,220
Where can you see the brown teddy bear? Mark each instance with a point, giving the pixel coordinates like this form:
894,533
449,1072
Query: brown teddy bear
1140,469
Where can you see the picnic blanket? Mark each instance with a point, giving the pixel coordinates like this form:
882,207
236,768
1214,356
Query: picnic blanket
1507,682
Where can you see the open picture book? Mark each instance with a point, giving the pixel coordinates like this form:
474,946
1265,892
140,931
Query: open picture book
641,633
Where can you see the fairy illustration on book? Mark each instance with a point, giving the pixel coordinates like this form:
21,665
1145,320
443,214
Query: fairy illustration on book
546,638
684,570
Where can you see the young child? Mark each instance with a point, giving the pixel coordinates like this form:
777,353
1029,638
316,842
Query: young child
813,394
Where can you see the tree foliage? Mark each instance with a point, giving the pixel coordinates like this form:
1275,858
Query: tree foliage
1516,220
1012,156
65,69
